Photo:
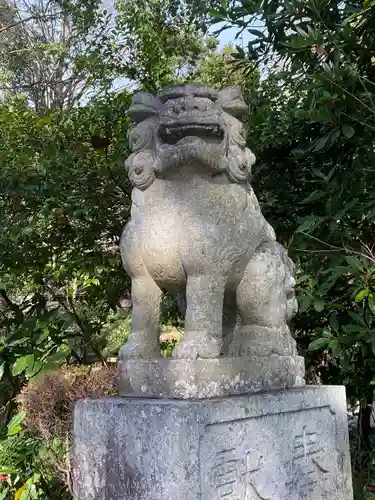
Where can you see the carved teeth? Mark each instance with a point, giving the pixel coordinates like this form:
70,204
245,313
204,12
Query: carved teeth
186,128
175,132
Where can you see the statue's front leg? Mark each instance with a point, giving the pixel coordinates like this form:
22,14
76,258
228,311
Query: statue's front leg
144,338
203,320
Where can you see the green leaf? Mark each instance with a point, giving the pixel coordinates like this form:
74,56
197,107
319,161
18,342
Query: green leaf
34,369
30,363
361,295
298,151
325,332
309,224
348,131
333,322
319,145
357,318
334,345
7,470
319,305
20,365
2,369
318,344
14,425
30,493
255,32
43,336
319,173
15,430
371,303
47,367
337,272
346,363
346,208
301,31
334,136
354,263
304,302
4,493
353,328
57,357
297,42
314,196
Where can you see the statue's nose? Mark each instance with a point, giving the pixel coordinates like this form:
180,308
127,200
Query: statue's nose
193,104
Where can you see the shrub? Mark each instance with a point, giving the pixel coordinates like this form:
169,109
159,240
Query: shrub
48,401
47,405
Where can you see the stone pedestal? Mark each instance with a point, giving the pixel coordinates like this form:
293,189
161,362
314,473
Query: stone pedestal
209,378
285,445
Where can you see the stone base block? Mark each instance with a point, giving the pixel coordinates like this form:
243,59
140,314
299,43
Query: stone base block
290,445
208,378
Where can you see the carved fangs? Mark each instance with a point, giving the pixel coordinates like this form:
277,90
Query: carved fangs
174,133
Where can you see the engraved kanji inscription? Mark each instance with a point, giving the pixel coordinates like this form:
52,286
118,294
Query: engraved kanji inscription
231,474
284,456
308,462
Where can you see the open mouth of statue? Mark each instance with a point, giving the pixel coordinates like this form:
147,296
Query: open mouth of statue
172,134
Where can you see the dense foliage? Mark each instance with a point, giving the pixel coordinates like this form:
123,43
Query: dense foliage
65,197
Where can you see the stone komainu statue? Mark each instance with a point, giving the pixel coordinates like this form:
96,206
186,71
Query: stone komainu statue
197,231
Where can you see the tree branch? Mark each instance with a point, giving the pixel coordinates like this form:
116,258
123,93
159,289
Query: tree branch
30,18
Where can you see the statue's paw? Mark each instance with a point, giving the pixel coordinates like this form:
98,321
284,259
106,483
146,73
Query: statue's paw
194,349
135,349
185,350
191,140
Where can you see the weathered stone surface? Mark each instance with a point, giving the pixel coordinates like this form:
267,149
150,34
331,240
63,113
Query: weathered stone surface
197,231
208,378
290,445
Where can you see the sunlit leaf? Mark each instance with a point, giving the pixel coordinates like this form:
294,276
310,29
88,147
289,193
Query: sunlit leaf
15,422
318,344
361,295
319,305
19,492
20,365
348,131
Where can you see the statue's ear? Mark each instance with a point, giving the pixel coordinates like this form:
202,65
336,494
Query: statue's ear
231,100
144,105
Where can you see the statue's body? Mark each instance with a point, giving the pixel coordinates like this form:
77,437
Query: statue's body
196,231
